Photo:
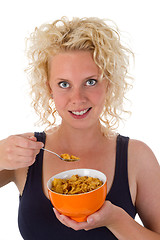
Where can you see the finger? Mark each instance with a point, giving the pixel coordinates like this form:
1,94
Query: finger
21,162
62,218
33,138
28,143
71,223
59,217
26,152
26,162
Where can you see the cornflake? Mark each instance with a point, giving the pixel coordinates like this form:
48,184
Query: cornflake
75,185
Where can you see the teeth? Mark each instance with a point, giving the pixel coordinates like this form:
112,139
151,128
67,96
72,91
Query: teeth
80,113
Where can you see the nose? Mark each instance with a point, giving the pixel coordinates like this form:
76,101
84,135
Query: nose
77,96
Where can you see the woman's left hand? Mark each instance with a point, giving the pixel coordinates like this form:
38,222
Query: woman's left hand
103,217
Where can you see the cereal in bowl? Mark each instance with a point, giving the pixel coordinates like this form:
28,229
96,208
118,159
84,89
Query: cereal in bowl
75,185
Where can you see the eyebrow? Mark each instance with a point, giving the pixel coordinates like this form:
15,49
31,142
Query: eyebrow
90,77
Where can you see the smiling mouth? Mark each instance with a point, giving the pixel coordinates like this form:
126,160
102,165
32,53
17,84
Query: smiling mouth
80,113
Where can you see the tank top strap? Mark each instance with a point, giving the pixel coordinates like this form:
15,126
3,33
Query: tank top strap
121,168
119,193
41,137
34,176
120,180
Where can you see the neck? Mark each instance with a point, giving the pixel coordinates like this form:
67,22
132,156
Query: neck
79,139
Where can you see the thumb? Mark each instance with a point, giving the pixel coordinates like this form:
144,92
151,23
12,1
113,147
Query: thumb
33,138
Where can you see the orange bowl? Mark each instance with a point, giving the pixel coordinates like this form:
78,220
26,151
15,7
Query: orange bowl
79,206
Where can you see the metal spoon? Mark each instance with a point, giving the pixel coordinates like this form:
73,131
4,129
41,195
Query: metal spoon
66,160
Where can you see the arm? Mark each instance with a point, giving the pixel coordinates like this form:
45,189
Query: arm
119,223
147,197
147,202
16,152
148,186
6,176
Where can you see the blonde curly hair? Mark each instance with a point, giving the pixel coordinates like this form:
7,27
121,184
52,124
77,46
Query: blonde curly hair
88,34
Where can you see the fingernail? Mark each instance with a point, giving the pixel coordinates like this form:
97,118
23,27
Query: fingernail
32,138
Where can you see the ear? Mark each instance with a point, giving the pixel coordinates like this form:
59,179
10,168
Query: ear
49,88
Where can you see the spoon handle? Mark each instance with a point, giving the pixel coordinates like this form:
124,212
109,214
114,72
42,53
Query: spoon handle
51,152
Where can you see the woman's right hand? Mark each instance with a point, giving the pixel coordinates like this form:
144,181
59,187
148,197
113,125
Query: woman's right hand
18,151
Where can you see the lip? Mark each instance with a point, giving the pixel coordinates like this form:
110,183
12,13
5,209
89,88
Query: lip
80,116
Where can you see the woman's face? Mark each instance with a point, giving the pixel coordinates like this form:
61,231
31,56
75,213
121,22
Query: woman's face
78,93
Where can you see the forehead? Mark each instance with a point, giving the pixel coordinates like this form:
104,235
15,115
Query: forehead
76,62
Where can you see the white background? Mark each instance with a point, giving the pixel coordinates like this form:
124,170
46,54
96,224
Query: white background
139,18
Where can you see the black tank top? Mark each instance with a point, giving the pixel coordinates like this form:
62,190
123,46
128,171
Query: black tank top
36,218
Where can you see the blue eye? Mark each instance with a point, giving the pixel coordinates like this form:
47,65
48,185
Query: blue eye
63,84
91,82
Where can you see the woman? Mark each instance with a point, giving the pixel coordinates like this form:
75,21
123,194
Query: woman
78,71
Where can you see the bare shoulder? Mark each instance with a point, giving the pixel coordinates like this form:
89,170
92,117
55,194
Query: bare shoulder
143,160
147,177
142,155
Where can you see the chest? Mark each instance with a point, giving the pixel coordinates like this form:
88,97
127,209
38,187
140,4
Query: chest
104,162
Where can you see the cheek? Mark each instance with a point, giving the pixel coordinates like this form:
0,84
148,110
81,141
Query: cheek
59,101
99,97
99,102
